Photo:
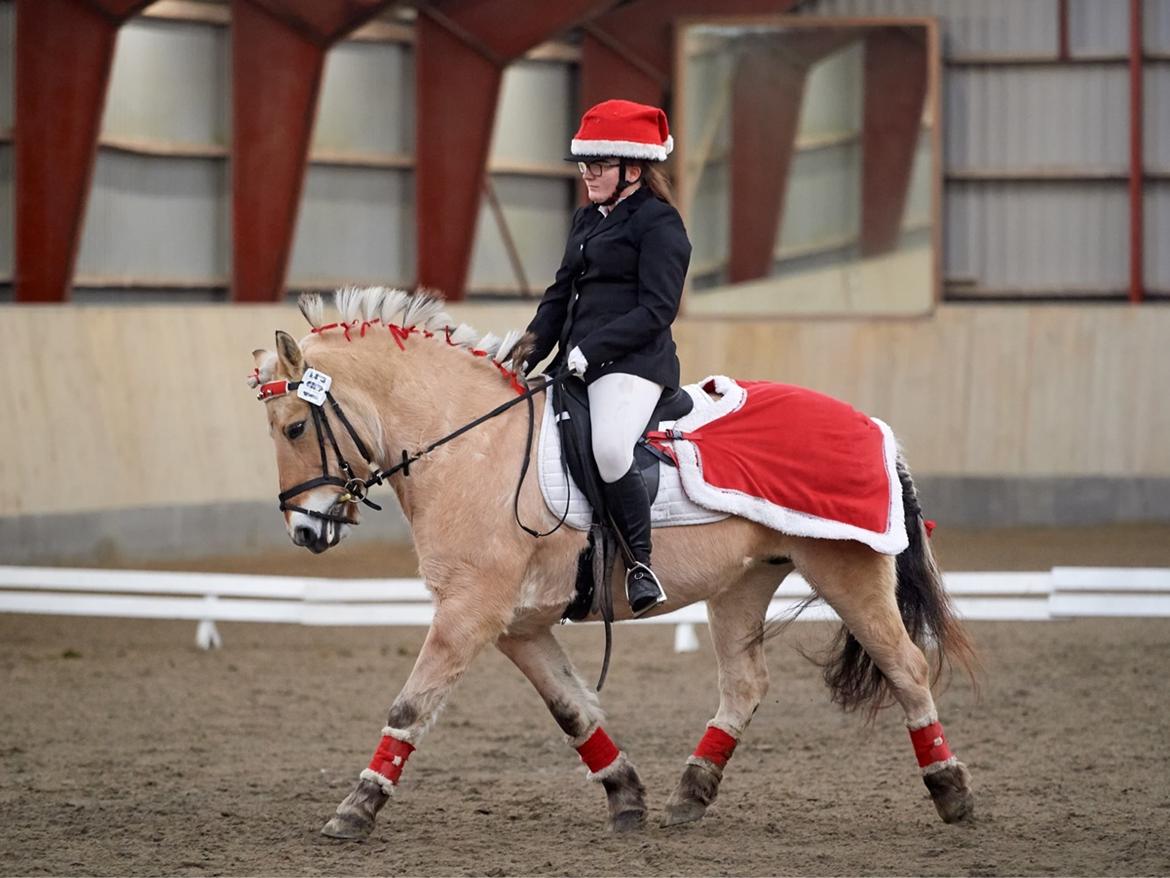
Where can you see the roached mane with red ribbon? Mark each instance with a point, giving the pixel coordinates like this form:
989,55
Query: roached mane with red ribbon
366,310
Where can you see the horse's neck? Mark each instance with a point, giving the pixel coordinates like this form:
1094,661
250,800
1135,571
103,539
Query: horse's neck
417,396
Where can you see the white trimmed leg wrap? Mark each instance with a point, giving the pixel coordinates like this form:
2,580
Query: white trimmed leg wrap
382,781
939,766
611,769
581,739
923,721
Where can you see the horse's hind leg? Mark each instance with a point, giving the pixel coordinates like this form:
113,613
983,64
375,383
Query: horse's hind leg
574,707
861,585
736,618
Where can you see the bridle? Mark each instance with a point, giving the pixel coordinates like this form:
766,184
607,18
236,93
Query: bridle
355,489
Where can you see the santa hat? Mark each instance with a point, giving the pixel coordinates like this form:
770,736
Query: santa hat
623,129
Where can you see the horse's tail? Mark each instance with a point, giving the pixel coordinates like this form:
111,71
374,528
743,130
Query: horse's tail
926,611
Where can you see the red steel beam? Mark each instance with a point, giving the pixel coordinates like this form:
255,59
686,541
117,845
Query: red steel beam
896,75
278,54
767,94
1137,286
461,49
629,51
1063,52
766,100
64,49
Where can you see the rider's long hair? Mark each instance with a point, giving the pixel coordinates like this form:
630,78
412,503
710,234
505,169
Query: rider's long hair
655,179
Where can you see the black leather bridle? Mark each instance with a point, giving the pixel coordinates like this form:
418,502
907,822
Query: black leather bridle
355,489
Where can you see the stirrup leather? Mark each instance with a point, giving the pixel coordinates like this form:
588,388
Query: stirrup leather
643,590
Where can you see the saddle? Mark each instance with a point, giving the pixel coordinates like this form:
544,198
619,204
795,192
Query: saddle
571,414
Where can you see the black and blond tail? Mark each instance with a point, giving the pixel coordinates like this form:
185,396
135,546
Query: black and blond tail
926,610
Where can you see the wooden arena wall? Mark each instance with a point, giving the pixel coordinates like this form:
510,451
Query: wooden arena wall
144,408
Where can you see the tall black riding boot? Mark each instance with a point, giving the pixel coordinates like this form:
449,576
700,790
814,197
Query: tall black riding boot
630,509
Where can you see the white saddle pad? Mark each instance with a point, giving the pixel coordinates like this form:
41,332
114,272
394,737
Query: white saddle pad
671,506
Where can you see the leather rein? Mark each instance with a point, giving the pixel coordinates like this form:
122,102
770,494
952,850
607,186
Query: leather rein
355,489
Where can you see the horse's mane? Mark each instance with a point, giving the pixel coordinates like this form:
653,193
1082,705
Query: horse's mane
402,313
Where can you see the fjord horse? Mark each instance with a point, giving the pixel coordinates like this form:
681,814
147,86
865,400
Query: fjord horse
402,376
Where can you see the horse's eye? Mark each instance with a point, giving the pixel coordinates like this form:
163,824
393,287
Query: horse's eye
294,431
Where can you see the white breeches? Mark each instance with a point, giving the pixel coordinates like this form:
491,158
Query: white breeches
619,407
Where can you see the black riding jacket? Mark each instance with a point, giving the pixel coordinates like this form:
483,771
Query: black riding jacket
619,287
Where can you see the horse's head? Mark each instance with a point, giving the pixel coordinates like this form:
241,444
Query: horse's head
318,510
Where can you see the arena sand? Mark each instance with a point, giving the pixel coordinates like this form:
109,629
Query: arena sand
124,750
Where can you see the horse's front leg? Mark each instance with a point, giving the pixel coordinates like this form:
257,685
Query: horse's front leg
574,707
458,632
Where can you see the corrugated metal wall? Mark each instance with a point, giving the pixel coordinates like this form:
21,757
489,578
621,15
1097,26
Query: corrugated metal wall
1037,149
1031,143
159,213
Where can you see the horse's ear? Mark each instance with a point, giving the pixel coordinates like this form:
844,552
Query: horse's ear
265,363
288,352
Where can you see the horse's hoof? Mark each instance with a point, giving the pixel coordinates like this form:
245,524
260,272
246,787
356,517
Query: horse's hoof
349,826
951,791
683,811
628,821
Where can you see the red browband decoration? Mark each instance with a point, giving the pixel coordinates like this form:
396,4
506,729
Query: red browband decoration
598,751
390,757
273,388
930,745
715,746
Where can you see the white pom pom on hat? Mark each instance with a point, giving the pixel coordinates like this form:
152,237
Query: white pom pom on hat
622,129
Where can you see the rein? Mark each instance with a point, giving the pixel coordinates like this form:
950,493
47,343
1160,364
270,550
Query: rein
355,489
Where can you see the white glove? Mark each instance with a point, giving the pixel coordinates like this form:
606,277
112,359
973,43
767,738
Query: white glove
577,363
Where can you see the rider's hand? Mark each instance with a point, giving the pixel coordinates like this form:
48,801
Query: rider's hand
577,363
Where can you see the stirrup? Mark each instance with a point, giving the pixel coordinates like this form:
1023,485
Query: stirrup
643,590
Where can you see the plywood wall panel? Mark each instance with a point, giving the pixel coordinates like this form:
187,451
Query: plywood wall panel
146,406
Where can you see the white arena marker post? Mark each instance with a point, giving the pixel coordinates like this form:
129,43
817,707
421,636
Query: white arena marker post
685,639
207,635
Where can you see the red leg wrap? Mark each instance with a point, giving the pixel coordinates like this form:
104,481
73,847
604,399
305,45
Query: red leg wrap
390,757
930,745
598,751
715,746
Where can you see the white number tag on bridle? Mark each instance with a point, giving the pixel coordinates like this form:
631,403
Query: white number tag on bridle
313,387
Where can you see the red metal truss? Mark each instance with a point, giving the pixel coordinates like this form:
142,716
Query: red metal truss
766,101
896,77
767,95
64,49
461,49
278,54
629,50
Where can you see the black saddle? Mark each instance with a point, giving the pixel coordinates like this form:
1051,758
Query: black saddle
571,410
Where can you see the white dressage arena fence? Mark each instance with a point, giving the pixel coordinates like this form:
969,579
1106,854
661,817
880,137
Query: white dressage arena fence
207,598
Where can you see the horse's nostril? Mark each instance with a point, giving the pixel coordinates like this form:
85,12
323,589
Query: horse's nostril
303,535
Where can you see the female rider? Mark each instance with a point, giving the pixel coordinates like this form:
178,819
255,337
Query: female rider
610,308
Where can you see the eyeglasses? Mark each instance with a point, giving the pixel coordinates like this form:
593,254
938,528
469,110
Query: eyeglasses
596,169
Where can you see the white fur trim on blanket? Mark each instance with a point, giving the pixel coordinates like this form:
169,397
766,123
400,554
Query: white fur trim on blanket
671,505
789,521
384,782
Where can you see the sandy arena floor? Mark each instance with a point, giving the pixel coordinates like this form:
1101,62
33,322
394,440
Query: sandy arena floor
126,751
